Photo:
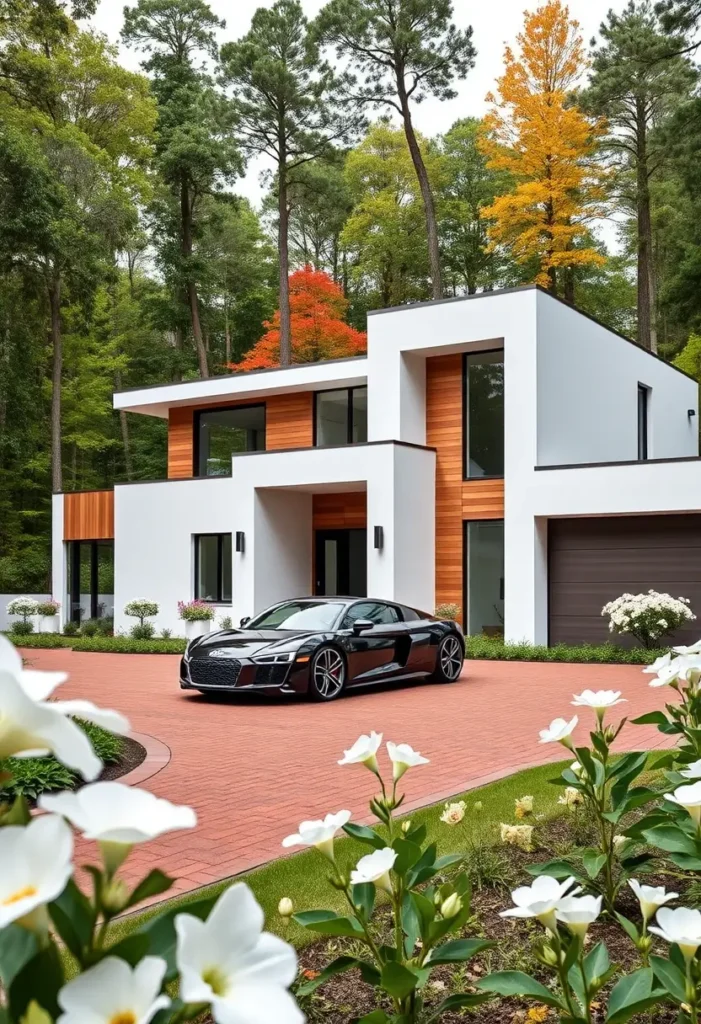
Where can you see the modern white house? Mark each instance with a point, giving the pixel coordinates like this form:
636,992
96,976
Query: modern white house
501,452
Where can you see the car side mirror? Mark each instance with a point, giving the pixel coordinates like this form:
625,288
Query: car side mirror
362,626
245,620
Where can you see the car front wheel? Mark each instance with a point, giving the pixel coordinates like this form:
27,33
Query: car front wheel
449,660
327,675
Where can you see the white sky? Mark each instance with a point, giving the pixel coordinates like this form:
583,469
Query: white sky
494,22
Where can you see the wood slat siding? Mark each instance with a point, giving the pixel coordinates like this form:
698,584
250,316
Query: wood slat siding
483,499
88,515
288,424
444,433
343,511
595,560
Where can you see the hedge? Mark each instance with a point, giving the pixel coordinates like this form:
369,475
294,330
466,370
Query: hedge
103,644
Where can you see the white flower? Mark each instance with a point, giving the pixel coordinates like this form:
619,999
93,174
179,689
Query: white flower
599,700
682,926
36,865
30,727
571,798
691,649
285,907
518,835
659,663
688,797
112,992
320,833
364,751
403,757
375,867
454,812
558,731
578,912
229,962
110,812
650,897
540,899
692,771
576,768
24,606
619,842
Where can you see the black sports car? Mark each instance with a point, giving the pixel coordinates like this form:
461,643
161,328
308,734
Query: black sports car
321,645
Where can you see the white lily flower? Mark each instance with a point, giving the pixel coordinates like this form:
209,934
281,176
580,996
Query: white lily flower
692,771
658,664
685,666
681,926
688,797
576,768
559,731
599,700
36,866
403,757
691,649
578,912
650,897
319,834
364,751
112,992
540,899
229,962
375,868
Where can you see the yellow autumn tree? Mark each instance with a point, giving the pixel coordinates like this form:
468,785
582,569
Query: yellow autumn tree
547,145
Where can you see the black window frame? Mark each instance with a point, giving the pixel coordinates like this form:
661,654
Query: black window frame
197,415
196,537
465,414
643,414
349,414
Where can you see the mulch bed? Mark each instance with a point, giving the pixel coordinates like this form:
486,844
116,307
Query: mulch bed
132,755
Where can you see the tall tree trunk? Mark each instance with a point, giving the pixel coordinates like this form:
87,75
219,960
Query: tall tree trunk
283,258
124,428
190,286
569,285
434,254
644,231
653,306
54,293
227,333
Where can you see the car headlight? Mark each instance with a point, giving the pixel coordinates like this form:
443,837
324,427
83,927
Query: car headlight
275,659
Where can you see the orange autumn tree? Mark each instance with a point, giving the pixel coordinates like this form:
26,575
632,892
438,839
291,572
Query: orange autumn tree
548,146
317,308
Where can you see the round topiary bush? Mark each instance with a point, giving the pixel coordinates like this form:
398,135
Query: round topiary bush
22,628
142,631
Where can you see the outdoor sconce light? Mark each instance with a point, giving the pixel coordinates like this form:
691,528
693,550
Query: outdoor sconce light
691,412
379,538
240,541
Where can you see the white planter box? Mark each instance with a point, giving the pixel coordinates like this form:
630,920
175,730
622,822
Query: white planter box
197,627
47,623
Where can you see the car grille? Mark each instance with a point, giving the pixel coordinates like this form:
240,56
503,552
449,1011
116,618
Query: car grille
271,675
214,673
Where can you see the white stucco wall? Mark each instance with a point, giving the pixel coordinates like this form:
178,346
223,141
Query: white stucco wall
587,394
282,548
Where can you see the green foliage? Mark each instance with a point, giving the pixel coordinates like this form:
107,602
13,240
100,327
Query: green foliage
105,644
494,649
71,628
142,631
22,627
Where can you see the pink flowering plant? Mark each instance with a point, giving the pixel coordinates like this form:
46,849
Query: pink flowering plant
195,611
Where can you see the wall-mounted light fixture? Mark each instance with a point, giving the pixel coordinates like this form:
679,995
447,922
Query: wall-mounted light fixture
379,538
240,541
690,412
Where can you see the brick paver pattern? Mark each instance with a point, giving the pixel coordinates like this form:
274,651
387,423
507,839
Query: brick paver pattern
253,771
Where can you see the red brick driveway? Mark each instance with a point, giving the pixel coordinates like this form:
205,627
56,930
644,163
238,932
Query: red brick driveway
254,771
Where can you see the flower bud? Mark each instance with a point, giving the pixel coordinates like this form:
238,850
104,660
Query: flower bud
478,806
644,943
438,899
452,906
550,956
406,826
115,896
285,907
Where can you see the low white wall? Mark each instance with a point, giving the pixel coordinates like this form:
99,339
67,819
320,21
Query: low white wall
7,620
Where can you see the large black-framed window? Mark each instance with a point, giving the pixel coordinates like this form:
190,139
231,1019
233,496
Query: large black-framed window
221,433
90,579
213,580
643,422
341,416
483,578
483,414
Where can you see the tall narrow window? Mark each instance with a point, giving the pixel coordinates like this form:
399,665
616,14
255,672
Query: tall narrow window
484,577
213,567
220,433
484,414
643,421
341,416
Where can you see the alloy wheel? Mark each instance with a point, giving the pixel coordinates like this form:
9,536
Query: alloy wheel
329,673
451,656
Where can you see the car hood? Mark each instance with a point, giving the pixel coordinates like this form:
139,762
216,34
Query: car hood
244,643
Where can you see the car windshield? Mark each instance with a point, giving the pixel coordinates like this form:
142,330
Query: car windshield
299,615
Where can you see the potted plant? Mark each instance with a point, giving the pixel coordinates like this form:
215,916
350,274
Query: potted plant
47,616
142,609
197,616
25,607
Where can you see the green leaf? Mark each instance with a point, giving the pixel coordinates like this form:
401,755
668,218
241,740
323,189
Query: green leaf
671,839
40,979
629,799
458,1001
629,765
36,1015
365,835
328,923
132,949
155,883
593,862
73,918
596,963
417,834
448,861
628,927
376,1017
363,896
457,951
408,854
555,868
516,983
397,980
683,860
337,966
651,718
632,995
17,947
669,975
424,867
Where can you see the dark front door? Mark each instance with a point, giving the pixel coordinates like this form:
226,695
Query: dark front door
341,562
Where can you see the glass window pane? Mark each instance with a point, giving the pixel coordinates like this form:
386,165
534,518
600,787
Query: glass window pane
330,582
485,577
105,579
485,414
206,584
360,415
226,568
332,417
223,432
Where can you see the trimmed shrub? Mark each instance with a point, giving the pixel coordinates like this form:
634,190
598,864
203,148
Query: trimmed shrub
494,649
128,645
141,609
71,629
225,622
48,608
195,611
90,627
142,631
22,628
24,606
448,611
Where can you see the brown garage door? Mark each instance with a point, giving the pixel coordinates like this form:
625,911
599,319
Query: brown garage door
592,561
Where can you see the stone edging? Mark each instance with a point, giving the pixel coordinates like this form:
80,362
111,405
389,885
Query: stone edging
157,757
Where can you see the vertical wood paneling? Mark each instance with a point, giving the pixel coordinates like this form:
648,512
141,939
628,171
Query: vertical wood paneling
342,511
483,499
289,421
88,515
180,442
444,433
